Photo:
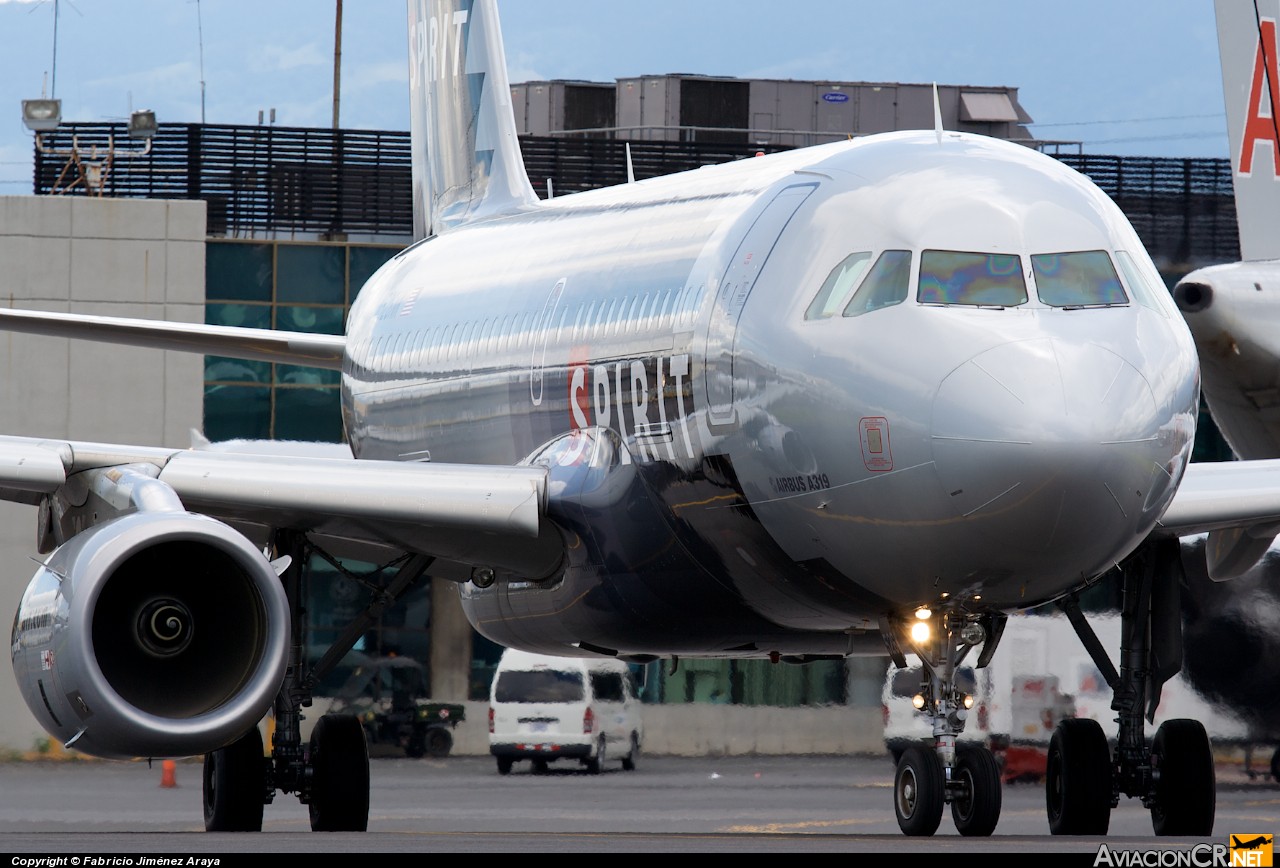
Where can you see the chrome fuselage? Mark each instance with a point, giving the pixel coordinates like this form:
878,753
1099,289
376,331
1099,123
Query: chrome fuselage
735,474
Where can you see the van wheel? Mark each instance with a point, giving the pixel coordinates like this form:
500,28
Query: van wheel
504,765
595,764
629,761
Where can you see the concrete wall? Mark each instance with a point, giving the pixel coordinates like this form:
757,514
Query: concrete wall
116,257
726,730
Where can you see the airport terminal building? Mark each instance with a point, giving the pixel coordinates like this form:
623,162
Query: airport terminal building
273,227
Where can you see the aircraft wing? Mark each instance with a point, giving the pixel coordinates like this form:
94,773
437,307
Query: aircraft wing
1224,495
361,508
1237,503
263,345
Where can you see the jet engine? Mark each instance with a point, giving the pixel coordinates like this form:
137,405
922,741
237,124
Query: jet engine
155,634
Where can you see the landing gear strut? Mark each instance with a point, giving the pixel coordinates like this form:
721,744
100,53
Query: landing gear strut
929,777
1174,775
330,774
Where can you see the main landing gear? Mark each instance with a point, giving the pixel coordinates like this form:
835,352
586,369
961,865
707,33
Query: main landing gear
929,777
330,774
1174,774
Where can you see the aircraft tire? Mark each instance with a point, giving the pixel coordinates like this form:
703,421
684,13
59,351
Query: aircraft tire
1078,779
340,775
1185,791
235,780
919,791
977,810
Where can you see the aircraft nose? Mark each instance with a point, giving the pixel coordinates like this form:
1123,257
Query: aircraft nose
1046,446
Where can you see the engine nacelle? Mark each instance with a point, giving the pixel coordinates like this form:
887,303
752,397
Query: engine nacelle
156,634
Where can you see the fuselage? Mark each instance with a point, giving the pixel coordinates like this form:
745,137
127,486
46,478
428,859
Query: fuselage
790,395
1233,318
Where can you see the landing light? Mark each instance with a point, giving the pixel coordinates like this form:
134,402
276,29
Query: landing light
920,632
923,613
968,700
918,701
973,634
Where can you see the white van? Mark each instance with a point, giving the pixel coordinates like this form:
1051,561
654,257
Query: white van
544,708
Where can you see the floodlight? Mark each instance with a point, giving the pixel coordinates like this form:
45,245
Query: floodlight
42,115
142,124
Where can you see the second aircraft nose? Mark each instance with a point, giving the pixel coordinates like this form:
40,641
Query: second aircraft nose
1046,445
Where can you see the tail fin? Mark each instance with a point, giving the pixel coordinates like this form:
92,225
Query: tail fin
1248,50
466,156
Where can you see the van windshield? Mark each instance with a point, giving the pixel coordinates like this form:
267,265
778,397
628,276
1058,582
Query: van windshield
541,685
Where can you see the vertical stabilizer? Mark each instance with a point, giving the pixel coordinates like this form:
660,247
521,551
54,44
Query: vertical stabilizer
466,156
1247,49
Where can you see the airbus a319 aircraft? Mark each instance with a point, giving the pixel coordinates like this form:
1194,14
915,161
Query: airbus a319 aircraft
862,397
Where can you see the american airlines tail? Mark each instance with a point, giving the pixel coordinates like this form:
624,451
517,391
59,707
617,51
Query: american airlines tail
466,156
1247,47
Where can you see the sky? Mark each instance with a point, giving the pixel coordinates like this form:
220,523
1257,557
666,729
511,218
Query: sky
1135,77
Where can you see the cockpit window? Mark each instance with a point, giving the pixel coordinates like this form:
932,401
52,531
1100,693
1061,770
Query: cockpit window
1086,279
888,283
1143,287
836,288
980,279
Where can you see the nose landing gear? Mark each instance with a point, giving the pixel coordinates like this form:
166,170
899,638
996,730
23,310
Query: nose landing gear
929,777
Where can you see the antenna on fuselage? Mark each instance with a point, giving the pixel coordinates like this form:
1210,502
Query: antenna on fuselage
937,113
631,170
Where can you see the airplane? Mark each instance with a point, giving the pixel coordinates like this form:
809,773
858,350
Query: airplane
861,398
1251,844
1232,315
1230,307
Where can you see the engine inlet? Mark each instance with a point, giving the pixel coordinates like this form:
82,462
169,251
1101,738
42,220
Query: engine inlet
164,627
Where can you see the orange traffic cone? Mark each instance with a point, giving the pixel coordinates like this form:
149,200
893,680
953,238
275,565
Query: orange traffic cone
168,774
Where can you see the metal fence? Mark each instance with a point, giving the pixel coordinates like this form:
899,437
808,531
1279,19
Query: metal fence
1183,209
255,178
280,180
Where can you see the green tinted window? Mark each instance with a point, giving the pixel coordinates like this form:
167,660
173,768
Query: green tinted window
219,369
231,412
1077,279
308,414
364,261
888,283
298,375
315,320
836,288
313,273
980,279
253,316
238,272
